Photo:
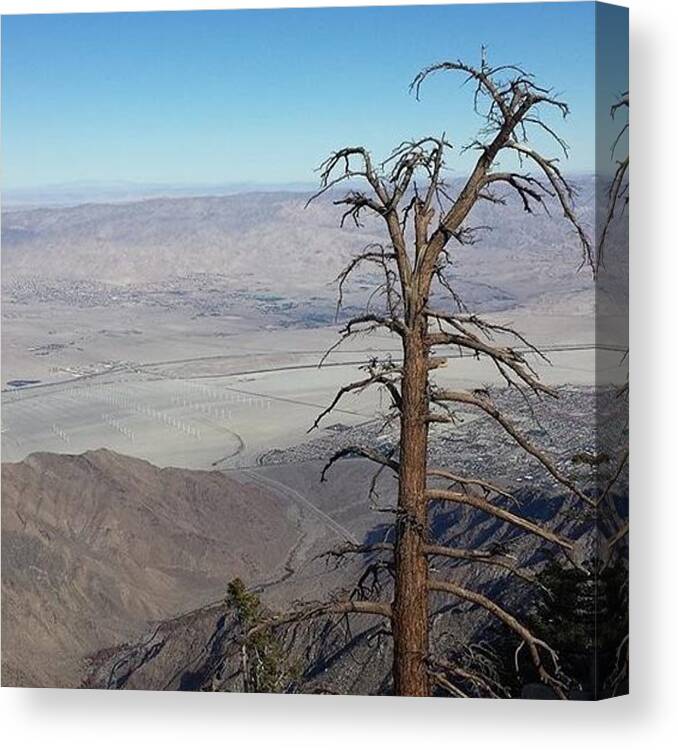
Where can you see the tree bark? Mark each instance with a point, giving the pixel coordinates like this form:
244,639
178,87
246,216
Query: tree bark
410,604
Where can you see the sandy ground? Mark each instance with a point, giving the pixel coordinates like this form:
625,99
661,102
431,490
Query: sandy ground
213,394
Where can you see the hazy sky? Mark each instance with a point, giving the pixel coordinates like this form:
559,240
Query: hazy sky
263,96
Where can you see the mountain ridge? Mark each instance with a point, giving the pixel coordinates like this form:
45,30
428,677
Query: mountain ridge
96,546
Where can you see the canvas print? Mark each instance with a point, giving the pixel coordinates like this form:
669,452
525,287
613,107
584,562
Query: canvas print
314,351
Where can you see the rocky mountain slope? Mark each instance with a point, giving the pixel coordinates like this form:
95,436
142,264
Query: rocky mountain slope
115,572
200,650
95,546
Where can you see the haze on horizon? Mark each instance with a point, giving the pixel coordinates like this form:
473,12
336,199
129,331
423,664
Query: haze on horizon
181,98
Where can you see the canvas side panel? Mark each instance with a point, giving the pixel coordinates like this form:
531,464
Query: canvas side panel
612,349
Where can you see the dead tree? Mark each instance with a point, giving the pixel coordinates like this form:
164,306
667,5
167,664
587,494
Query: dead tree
615,212
612,252
424,217
618,190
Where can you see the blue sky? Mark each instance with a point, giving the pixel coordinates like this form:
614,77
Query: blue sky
263,96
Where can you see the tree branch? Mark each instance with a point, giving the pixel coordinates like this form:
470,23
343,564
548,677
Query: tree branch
481,557
534,644
463,481
348,606
379,377
490,409
520,522
354,451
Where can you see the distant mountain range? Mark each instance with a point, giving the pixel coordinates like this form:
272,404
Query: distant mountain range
269,241
114,191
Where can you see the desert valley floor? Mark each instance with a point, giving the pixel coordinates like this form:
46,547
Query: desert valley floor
181,395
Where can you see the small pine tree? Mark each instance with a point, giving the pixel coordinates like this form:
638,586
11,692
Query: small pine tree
585,618
264,664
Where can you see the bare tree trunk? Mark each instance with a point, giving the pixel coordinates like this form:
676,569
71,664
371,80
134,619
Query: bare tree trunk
410,606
